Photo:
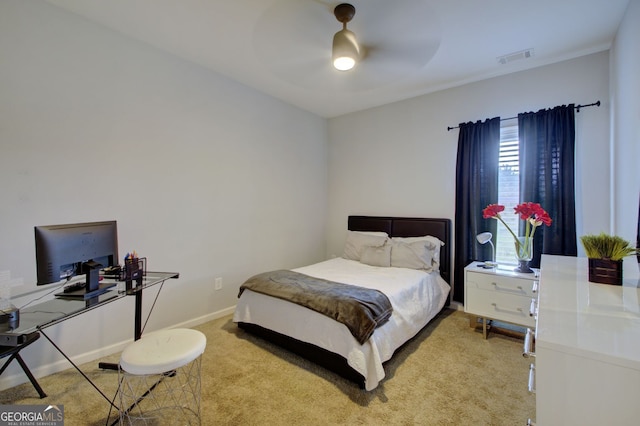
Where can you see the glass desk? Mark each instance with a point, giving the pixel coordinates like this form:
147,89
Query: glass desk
45,314
36,318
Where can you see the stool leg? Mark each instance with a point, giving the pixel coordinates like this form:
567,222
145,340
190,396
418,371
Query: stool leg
176,392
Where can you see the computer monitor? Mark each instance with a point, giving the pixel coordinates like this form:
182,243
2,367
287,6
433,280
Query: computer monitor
64,251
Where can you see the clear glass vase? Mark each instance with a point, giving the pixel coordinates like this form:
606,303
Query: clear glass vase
524,254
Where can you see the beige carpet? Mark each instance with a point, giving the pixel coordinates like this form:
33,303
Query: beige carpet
447,375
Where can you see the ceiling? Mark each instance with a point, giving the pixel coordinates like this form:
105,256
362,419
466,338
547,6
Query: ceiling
413,47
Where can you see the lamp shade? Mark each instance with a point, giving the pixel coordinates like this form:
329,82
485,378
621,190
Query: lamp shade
484,238
346,51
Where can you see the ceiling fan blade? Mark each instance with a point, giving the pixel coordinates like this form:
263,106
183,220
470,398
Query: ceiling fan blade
293,39
414,57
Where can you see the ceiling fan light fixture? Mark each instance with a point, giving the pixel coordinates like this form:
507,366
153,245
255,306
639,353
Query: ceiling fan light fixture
346,51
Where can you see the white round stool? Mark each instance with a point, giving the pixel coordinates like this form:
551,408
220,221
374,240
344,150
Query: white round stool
160,378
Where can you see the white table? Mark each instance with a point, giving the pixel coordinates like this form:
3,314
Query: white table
587,346
499,293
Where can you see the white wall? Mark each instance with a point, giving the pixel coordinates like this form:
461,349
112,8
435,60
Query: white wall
625,98
205,176
399,159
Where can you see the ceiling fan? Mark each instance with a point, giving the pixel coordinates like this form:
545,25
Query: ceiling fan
393,41
346,51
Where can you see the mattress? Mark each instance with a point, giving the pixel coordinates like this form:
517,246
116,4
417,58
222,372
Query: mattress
416,296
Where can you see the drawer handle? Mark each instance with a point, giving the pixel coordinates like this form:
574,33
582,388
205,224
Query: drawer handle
498,288
495,306
529,338
534,287
532,379
532,308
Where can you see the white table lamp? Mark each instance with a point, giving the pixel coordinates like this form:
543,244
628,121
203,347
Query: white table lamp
484,238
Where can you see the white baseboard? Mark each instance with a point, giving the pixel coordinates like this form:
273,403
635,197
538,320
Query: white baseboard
206,318
18,378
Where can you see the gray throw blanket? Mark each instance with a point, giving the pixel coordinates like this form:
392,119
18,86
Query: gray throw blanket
360,309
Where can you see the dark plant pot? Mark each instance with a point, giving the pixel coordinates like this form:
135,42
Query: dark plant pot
605,271
523,267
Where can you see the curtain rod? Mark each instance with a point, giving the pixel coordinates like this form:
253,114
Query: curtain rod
577,108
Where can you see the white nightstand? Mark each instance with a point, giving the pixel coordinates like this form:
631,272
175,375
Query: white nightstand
501,294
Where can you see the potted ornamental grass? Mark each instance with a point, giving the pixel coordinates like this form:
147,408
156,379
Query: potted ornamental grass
606,253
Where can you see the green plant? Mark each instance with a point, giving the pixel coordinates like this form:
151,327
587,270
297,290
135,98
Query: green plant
606,246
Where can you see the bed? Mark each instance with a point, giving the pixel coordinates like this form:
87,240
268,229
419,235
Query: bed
330,343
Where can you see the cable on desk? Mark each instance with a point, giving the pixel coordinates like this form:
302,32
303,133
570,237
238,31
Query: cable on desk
56,288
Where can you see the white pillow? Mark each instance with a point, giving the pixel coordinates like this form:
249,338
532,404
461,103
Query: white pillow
357,241
377,256
416,253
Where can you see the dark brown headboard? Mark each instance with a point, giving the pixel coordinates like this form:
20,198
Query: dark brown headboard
410,227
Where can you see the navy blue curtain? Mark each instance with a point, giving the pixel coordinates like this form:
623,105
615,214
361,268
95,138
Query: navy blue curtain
476,187
547,176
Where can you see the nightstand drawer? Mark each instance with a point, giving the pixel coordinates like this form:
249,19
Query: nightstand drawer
501,284
499,305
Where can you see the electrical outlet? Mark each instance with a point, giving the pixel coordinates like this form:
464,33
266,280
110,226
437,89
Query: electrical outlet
218,284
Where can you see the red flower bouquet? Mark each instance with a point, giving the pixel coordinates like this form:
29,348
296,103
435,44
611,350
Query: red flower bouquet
533,214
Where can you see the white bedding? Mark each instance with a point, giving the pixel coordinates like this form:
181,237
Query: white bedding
416,297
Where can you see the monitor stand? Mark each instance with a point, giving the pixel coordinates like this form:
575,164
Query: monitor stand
83,294
92,286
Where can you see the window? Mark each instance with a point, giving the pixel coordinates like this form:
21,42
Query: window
508,191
